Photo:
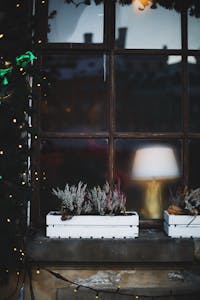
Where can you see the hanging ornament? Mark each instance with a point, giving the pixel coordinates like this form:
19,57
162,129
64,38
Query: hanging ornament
4,74
24,59
6,87
6,90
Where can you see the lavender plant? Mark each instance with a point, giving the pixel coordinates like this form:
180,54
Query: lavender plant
72,198
106,200
192,201
186,202
78,200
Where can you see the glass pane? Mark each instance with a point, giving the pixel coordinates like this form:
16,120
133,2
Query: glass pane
136,189
194,92
194,163
76,23
148,93
70,161
149,28
76,98
193,32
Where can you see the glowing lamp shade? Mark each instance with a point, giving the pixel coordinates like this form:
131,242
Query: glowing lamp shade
154,165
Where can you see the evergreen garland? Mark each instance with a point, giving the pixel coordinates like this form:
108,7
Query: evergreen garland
15,93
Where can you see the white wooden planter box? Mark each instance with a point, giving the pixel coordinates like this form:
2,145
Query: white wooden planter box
185,226
90,226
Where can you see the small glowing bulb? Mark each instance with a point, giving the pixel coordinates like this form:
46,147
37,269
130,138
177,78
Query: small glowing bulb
43,2
8,220
1,152
14,120
30,126
35,137
44,178
15,249
23,254
39,41
17,273
35,172
38,84
23,182
21,126
37,178
10,196
44,78
1,35
7,63
6,270
75,290
21,69
20,250
20,146
18,5
136,297
37,271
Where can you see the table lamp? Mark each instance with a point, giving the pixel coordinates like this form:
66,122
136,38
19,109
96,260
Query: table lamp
153,166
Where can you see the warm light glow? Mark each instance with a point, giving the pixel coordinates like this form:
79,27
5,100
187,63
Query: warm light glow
156,162
1,35
153,165
141,4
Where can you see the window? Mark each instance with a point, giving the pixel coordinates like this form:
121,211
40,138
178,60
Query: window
127,79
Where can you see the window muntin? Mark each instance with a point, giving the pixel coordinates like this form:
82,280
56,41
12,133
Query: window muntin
148,29
180,127
76,24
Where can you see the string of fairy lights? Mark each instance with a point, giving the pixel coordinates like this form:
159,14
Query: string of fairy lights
77,287
19,252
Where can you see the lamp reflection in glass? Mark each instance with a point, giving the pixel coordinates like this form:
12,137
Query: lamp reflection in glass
153,166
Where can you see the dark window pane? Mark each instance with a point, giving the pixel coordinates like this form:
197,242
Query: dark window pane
70,161
194,92
193,32
148,93
194,164
76,24
151,28
135,189
76,98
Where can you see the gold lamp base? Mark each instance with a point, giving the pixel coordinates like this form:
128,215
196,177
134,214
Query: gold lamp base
153,206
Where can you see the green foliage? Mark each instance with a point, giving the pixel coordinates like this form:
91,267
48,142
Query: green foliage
15,28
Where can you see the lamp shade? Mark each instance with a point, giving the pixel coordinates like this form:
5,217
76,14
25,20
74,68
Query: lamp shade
155,163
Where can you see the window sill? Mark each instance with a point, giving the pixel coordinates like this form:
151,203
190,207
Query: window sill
151,247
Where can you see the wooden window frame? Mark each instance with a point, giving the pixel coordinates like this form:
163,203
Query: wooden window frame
108,48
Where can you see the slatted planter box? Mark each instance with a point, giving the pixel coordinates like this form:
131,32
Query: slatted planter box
92,226
185,226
